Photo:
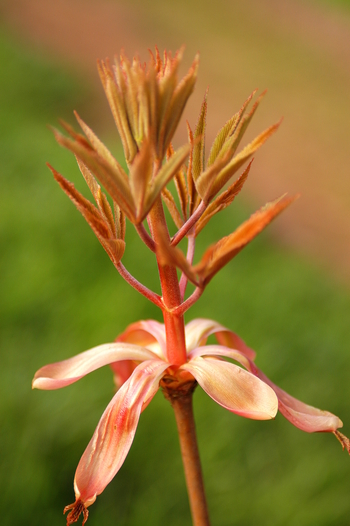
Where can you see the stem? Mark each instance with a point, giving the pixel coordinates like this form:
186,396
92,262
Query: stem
129,278
191,300
171,297
182,405
180,234
189,257
146,238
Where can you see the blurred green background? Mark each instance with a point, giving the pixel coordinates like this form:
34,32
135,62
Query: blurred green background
60,295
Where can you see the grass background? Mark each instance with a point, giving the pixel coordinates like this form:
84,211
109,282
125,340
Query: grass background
60,295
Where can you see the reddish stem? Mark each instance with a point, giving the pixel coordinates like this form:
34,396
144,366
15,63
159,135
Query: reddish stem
171,297
182,405
191,300
129,278
180,234
146,238
190,254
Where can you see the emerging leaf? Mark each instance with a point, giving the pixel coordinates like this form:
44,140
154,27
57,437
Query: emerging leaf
243,121
165,174
112,177
116,103
231,167
171,205
166,86
227,248
98,195
199,147
182,192
101,227
181,189
120,223
223,200
178,103
140,175
193,198
206,181
226,132
97,145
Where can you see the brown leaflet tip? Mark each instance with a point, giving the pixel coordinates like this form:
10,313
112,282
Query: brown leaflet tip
170,151
345,442
259,99
153,60
272,129
181,51
55,173
77,508
69,129
196,58
253,93
55,131
273,208
60,138
189,132
64,141
288,200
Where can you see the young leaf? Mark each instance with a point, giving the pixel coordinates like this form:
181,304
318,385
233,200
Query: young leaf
235,137
171,205
100,198
120,223
165,174
178,102
166,88
223,200
206,180
134,80
116,103
227,131
192,192
113,178
140,175
227,248
199,147
180,185
103,231
232,166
